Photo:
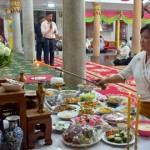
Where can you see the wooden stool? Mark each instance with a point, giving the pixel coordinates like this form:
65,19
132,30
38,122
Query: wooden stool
34,118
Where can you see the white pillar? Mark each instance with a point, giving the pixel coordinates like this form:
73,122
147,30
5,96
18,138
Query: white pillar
28,29
17,41
74,51
6,29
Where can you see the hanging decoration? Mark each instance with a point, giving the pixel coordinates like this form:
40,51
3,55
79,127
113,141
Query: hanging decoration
15,6
110,17
5,14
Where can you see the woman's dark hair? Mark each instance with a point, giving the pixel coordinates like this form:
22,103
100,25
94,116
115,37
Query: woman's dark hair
124,40
131,38
147,27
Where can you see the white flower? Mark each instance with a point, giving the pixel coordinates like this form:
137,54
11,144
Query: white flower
7,51
2,44
2,50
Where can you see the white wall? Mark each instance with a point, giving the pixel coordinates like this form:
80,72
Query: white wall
129,31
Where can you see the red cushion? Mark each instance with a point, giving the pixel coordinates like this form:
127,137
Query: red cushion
106,43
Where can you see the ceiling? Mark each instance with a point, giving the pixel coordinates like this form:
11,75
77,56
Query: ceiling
106,4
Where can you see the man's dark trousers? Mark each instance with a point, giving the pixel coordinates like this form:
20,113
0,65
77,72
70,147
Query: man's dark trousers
49,48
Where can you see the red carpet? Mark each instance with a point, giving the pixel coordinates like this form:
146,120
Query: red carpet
40,77
94,71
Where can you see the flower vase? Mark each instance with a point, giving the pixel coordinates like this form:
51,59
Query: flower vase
14,134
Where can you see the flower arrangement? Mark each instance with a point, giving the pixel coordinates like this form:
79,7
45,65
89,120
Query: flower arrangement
5,56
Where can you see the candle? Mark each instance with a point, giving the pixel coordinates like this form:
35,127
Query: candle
37,65
137,115
129,109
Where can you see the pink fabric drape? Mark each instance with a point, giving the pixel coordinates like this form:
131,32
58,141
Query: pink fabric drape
110,14
128,14
89,13
146,15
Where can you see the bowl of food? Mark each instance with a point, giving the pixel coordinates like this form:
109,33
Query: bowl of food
11,87
113,102
57,92
51,97
143,127
85,88
68,93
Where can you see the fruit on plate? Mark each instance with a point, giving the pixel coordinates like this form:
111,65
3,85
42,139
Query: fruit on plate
86,111
80,134
92,120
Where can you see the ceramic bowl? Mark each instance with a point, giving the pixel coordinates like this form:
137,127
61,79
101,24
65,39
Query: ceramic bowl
52,100
68,93
12,87
85,88
112,102
143,127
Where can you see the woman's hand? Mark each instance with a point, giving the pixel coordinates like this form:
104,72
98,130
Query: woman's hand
99,82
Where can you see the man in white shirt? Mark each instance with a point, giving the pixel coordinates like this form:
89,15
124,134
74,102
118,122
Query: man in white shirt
49,31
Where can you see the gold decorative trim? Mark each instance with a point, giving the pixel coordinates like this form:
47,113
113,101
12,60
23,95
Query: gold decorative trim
97,8
15,6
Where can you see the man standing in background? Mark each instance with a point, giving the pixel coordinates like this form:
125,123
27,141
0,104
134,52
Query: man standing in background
49,31
39,39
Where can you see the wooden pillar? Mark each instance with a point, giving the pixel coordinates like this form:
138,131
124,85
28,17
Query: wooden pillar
96,34
136,27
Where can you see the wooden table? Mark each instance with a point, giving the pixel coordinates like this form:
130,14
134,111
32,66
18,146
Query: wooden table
17,97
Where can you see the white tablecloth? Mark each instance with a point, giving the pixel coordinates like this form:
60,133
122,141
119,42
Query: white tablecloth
143,142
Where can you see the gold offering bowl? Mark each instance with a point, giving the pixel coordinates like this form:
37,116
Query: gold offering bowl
58,86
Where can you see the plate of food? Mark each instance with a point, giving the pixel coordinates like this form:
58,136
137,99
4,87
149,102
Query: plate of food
86,119
61,126
106,110
117,137
90,104
71,100
65,115
81,136
115,118
86,111
63,107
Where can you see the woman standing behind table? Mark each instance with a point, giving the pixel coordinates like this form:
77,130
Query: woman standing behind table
139,67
